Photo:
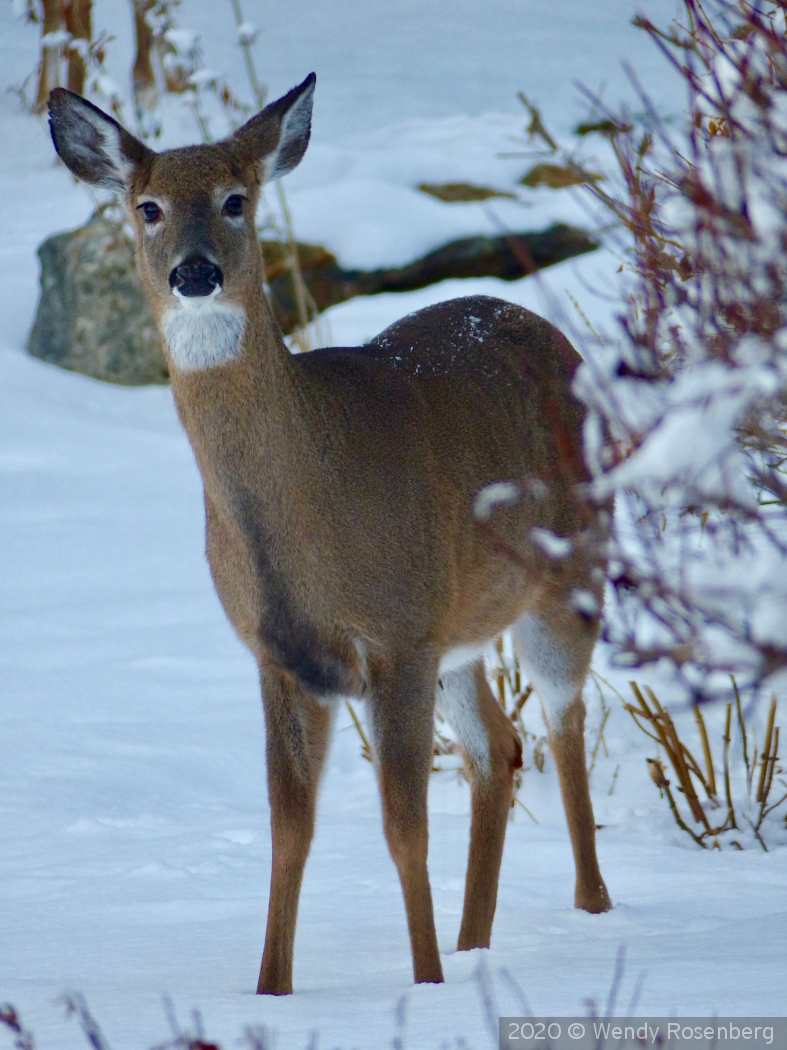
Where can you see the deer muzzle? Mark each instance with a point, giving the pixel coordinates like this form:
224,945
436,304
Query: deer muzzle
196,276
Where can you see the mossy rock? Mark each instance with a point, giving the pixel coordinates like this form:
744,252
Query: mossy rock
462,192
278,254
92,315
558,176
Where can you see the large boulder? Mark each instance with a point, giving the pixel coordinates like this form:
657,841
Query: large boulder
93,316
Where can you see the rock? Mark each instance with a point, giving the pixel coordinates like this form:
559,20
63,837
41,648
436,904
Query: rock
93,316
508,257
557,177
462,192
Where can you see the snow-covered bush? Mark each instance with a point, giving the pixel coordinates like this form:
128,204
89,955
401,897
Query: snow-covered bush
688,421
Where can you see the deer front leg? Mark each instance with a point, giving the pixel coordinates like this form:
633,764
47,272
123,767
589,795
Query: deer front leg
402,719
297,730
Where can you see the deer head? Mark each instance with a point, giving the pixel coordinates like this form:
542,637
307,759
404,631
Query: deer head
193,210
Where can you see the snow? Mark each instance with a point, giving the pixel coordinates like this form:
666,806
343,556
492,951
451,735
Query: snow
556,547
134,848
498,494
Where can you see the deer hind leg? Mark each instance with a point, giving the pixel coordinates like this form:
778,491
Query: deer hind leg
401,713
555,646
492,752
297,731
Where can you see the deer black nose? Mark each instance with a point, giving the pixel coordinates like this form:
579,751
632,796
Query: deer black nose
196,276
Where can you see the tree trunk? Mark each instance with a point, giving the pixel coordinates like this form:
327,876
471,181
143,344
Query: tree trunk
78,23
50,56
142,75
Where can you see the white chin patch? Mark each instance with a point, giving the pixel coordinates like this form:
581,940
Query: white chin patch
201,332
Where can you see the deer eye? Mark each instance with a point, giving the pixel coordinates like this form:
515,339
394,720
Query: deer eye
233,206
150,211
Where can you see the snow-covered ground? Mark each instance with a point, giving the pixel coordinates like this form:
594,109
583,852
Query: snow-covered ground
134,851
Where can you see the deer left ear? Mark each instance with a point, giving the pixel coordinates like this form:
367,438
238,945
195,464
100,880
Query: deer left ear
92,145
276,139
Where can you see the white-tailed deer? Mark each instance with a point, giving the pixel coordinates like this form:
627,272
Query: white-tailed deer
352,535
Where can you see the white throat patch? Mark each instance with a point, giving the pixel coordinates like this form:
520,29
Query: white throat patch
203,333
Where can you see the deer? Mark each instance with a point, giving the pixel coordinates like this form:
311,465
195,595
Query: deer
375,516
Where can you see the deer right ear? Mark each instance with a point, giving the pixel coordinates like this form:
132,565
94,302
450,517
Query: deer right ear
92,145
276,139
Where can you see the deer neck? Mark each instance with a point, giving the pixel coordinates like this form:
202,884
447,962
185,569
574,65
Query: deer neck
244,418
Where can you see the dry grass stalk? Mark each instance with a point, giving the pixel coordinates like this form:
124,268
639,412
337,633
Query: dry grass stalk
656,722
711,781
536,128
679,755
366,751
727,785
658,776
600,741
246,39
765,762
742,729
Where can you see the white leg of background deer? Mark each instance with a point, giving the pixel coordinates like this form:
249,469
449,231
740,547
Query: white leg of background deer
340,488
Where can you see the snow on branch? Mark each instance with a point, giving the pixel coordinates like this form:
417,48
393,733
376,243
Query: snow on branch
692,401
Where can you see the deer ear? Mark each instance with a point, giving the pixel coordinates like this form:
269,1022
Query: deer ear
276,139
93,146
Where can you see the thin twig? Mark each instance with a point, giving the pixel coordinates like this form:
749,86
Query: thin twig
766,753
757,834
519,802
727,785
599,740
366,750
706,751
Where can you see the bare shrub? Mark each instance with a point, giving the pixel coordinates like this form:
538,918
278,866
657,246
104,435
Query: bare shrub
687,421
711,814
